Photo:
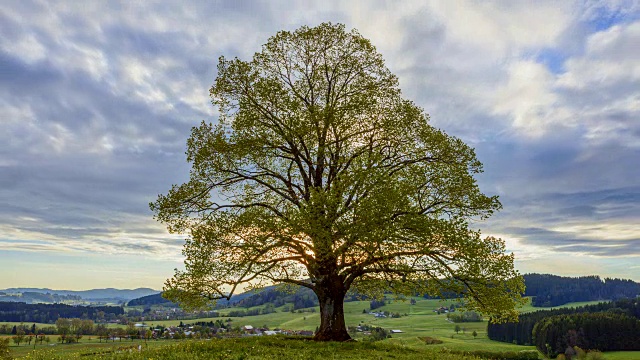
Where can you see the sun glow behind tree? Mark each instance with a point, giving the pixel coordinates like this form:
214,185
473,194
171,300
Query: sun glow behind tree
320,174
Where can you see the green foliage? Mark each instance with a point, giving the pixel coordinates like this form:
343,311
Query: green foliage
377,334
551,290
601,331
467,316
5,353
580,354
497,355
374,304
430,341
522,331
595,355
19,337
318,173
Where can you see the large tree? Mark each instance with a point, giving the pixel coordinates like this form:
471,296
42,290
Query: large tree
319,174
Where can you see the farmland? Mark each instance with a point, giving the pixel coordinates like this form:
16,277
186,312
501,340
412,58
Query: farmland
415,322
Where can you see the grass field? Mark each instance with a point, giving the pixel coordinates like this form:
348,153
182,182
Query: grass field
529,308
254,348
420,320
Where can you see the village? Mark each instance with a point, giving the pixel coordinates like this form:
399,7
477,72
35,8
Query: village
200,330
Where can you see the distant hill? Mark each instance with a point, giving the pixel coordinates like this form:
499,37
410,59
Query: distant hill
552,290
31,294
545,289
157,299
49,313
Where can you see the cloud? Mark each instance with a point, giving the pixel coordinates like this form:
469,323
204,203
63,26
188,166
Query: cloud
595,223
97,102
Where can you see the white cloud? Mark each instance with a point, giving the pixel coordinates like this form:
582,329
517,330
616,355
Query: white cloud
503,28
528,100
101,97
27,48
610,58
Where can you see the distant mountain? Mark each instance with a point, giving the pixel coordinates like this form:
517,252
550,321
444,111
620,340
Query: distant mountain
90,295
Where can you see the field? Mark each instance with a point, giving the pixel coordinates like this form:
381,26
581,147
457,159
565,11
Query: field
529,308
416,321
254,348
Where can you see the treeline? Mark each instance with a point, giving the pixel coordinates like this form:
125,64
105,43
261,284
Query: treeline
155,299
36,297
49,313
251,312
522,332
467,316
605,331
7,329
551,290
301,298
374,304
545,290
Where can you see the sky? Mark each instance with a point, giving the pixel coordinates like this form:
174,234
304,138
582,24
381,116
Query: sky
97,100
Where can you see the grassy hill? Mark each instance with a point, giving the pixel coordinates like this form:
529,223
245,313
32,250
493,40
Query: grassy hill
251,348
420,320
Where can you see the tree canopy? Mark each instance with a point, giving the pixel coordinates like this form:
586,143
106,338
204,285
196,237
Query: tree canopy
319,173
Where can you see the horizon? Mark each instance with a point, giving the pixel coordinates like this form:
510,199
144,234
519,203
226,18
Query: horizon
602,278
98,101
46,288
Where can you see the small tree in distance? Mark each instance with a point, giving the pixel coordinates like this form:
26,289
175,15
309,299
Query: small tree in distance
319,174
19,337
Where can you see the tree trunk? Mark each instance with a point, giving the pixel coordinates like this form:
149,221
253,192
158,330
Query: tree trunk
332,326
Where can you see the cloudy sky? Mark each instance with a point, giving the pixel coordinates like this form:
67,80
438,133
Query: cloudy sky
97,100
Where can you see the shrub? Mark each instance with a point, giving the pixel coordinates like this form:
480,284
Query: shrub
595,355
498,355
430,341
378,334
5,353
467,316
580,354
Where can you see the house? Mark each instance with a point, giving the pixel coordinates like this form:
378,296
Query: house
397,331
248,329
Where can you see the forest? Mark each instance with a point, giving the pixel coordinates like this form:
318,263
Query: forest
49,313
622,315
604,331
552,290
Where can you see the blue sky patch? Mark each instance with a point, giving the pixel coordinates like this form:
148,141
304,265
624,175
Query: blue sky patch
553,59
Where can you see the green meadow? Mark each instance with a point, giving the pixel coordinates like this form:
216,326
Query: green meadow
415,322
